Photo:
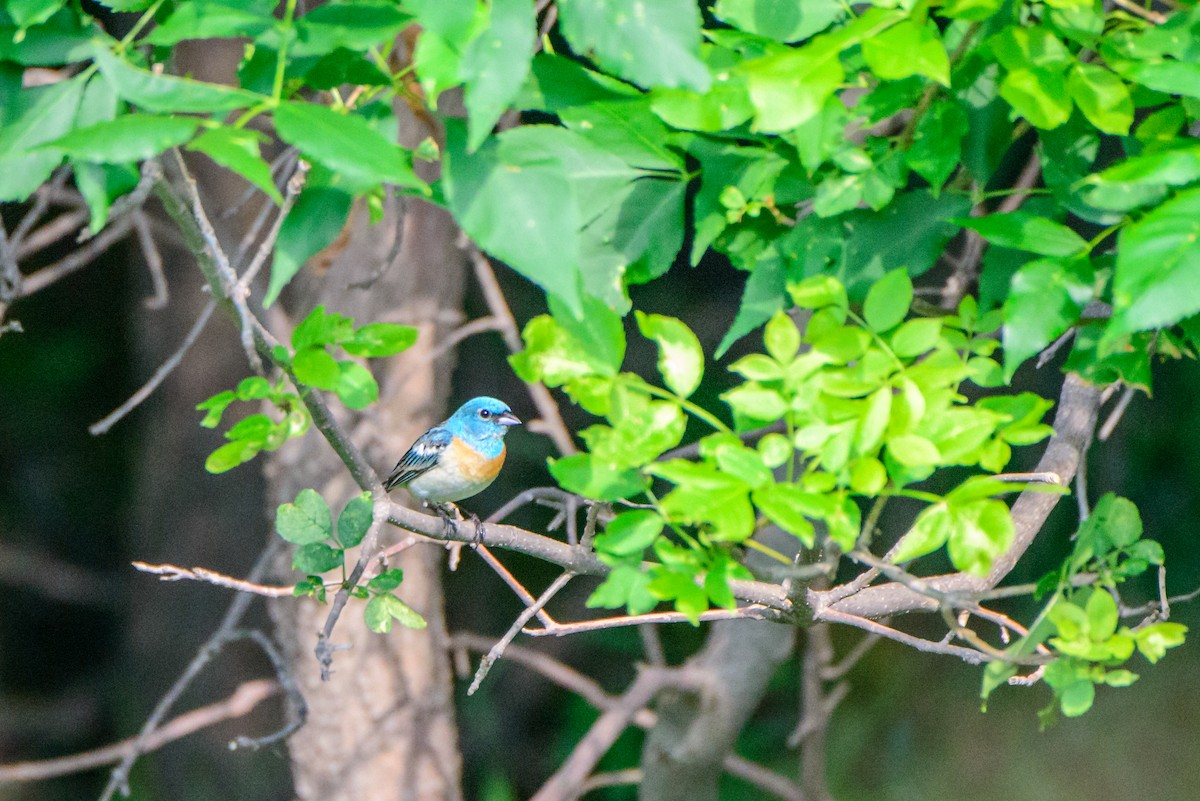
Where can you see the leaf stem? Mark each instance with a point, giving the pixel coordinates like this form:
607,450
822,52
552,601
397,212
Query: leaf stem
687,405
142,22
289,14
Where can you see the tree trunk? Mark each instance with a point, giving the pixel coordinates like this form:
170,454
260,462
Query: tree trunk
383,727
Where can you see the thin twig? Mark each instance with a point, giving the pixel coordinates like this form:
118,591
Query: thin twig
236,294
567,781
555,428
240,703
51,232
225,631
77,259
1115,416
297,709
160,298
160,375
176,573
752,612
526,615
1144,13
294,184
611,778
590,690
968,655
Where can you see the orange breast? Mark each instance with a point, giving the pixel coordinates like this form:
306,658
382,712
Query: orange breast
473,466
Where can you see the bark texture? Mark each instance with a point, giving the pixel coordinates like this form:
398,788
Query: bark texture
383,727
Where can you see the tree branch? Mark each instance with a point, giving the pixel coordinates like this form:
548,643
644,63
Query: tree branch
244,699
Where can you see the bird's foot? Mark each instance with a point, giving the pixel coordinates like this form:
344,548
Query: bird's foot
447,512
477,539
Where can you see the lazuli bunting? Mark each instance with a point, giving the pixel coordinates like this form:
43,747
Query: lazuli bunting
457,458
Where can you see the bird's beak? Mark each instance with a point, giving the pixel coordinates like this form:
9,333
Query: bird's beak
508,419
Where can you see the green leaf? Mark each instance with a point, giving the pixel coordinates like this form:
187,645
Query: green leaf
651,44
1154,640
210,19
1045,300
1157,280
929,532
782,20
316,368
315,220
355,520
916,337
756,402
230,455
164,94
215,408
781,337
384,608
908,49
316,558
38,115
980,532
320,328
680,357
625,586
347,145
1025,231
937,142
1077,698
1102,97
100,185
554,357
585,475
519,204
386,581
132,137
1037,95
744,463
305,521
790,87
352,24
888,301
599,331
818,292
26,13
356,386
706,495
913,451
496,64
762,297
376,340
1102,615
630,533
237,150
790,508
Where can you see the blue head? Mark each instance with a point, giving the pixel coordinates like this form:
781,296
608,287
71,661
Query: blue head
482,419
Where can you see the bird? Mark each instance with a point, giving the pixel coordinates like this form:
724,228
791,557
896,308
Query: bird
457,458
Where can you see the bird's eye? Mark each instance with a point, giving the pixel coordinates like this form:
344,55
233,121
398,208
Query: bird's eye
484,413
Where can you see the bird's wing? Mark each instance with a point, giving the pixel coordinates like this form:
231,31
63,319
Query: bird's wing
422,456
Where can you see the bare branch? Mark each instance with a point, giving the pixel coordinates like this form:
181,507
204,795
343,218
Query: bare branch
968,655
141,225
51,232
76,260
231,289
224,633
244,699
1144,13
1115,416
160,375
567,782
297,709
497,650
555,428
176,573
753,612
612,778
